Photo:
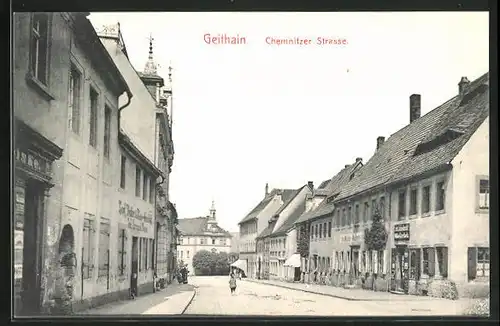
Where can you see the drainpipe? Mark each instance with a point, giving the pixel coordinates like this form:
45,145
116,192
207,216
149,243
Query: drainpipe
129,96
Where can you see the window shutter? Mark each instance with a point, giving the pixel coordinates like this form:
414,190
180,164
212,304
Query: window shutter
472,262
432,261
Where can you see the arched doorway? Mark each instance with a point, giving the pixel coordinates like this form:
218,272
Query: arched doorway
66,270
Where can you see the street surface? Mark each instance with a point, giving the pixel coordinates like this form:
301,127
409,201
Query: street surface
213,297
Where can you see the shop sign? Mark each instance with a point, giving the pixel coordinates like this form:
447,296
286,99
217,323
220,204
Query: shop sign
402,232
351,237
137,220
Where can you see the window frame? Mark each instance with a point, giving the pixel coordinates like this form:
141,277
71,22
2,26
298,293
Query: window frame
429,199
411,213
75,69
122,251
123,171
480,209
138,180
402,212
145,187
34,74
436,194
108,118
103,267
93,117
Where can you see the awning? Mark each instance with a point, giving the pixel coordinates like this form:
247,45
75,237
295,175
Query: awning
241,264
293,261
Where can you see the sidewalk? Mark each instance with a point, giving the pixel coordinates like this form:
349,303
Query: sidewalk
173,300
347,294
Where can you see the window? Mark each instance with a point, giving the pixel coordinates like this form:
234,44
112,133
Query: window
213,241
316,231
103,249
152,253
39,46
312,232
140,255
325,230
146,250
88,248
187,254
75,79
413,201
122,253
484,194
145,183
107,131
442,257
123,166
366,212
329,229
401,204
320,230
344,218
182,254
426,199
337,218
202,241
94,102
440,198
478,263
356,214
349,216
381,206
428,261
374,208
137,181
380,265
151,190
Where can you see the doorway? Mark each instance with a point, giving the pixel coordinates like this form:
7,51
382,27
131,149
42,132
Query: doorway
28,249
134,268
355,261
400,269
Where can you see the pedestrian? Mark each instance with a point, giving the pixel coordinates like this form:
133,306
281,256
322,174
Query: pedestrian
232,283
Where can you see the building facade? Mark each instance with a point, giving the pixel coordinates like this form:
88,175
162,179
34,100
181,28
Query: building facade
201,233
254,224
148,123
74,86
433,200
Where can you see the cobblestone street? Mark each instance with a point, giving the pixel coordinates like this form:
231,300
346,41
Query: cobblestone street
252,298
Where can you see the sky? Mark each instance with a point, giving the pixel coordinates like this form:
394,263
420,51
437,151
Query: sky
249,114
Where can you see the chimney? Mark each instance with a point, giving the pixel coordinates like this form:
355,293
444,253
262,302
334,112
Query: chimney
267,189
310,184
462,86
414,107
359,159
380,141
347,165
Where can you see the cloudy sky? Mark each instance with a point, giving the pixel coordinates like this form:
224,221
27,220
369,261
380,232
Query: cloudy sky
249,114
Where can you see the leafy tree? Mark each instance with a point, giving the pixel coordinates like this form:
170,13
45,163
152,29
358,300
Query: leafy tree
303,240
221,263
376,236
203,262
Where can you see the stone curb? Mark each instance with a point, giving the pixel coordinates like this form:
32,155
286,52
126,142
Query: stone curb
190,300
328,294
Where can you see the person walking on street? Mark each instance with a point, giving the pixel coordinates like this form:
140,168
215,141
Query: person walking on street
232,283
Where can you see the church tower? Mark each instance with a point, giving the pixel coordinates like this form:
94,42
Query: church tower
212,212
149,75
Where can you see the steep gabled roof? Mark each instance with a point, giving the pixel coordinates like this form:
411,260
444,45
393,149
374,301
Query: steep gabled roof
450,134
260,206
287,196
333,187
395,158
282,230
197,226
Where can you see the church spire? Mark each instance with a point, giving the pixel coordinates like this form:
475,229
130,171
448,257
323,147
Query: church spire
212,210
151,67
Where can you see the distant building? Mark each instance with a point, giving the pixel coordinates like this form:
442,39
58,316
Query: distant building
201,233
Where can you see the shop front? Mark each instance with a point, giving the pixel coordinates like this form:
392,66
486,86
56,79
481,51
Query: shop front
400,259
34,155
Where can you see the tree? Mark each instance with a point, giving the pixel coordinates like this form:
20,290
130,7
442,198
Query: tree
221,264
203,262
303,241
376,236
